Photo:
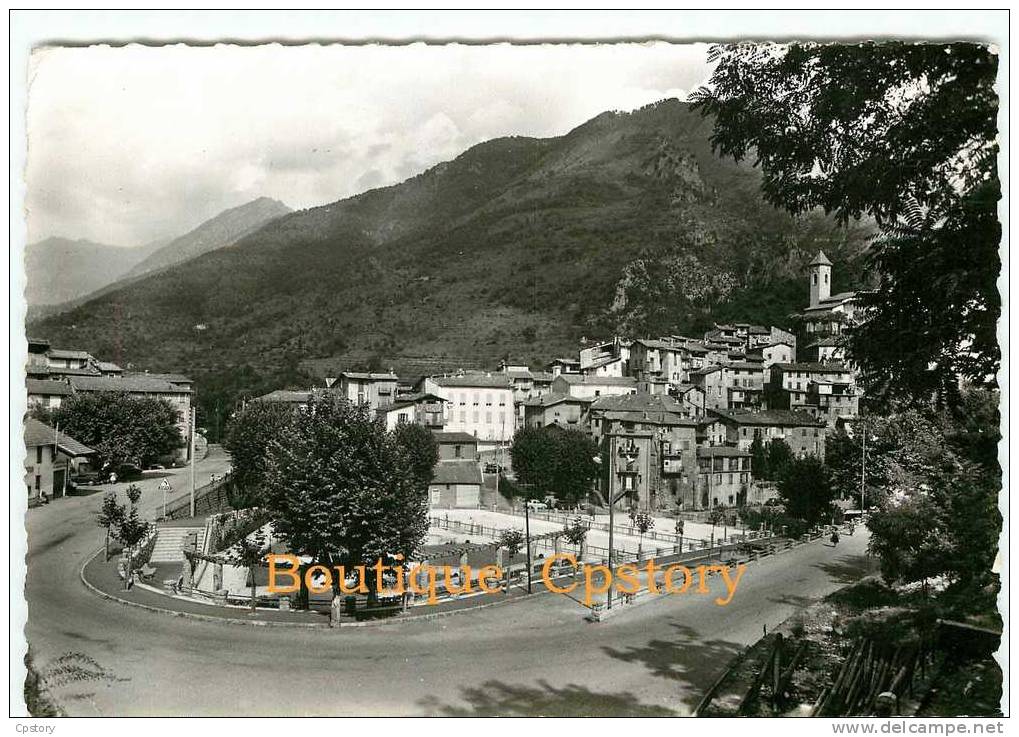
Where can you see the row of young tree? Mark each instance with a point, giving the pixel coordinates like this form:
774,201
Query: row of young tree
340,488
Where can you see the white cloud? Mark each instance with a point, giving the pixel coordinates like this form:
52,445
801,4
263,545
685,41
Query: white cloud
133,143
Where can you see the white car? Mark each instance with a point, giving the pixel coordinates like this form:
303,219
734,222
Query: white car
535,504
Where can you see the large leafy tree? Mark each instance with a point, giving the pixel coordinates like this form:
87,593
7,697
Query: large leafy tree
342,490
422,448
901,133
250,434
533,457
805,489
121,428
575,465
938,479
555,461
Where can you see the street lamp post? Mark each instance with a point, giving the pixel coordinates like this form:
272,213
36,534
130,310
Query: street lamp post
527,541
612,527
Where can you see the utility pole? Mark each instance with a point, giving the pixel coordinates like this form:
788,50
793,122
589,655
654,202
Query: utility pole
527,541
191,451
612,526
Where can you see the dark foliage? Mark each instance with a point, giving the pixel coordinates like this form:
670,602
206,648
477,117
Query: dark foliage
901,133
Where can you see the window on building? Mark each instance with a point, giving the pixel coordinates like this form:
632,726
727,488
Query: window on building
38,454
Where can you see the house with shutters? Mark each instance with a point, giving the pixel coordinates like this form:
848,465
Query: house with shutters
591,387
373,389
555,409
804,434
479,404
828,391
724,476
714,382
427,410
50,459
49,393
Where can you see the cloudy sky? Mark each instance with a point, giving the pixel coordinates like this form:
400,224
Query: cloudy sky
131,144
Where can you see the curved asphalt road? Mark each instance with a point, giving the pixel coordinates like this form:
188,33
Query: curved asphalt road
534,657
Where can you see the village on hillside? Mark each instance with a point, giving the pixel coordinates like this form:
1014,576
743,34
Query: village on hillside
673,416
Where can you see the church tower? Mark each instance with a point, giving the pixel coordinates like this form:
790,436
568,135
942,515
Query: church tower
820,279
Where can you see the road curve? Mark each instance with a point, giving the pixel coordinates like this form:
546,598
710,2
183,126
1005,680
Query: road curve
536,657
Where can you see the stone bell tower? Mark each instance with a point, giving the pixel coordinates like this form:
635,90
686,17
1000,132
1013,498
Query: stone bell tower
820,279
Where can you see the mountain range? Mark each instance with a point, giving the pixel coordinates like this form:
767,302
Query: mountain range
63,273
85,266
220,231
519,248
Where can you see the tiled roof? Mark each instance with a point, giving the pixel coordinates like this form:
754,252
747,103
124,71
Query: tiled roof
454,437
172,378
67,353
456,472
60,371
366,376
650,417
599,362
660,344
833,301
745,366
705,371
542,376
285,396
548,400
109,366
824,368
48,387
598,380
37,433
410,400
131,384
489,381
639,402
768,417
820,260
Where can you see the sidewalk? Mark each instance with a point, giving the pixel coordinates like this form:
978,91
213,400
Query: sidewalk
102,576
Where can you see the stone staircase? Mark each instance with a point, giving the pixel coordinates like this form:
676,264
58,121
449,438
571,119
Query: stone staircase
170,542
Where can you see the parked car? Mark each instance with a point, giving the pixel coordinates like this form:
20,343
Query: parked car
536,504
493,468
85,478
126,472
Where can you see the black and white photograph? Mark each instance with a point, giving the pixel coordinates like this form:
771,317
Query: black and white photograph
475,376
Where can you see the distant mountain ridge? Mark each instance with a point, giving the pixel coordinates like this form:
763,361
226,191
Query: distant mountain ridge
61,269
217,232
518,247
90,270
